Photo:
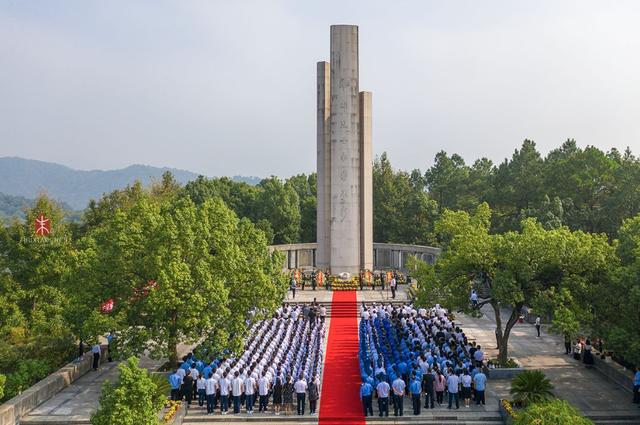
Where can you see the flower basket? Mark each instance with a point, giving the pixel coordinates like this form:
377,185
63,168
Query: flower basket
338,284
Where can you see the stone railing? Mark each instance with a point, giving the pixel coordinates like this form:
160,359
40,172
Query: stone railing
385,255
12,410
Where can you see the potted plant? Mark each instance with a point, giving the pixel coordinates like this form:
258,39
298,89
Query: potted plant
531,386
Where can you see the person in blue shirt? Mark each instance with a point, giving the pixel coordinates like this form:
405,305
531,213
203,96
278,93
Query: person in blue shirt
366,395
415,388
480,384
175,381
636,386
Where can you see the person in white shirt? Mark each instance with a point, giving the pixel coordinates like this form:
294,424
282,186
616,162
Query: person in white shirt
453,381
249,391
323,313
398,387
237,388
224,384
465,381
392,285
263,392
538,325
300,387
382,390
200,387
210,389
96,350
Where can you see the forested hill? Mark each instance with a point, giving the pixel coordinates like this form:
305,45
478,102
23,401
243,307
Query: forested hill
27,178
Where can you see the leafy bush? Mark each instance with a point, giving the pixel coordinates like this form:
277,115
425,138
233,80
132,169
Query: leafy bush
132,400
162,384
3,379
554,412
27,373
531,386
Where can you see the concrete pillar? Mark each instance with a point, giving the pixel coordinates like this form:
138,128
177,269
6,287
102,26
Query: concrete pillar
366,182
323,217
345,157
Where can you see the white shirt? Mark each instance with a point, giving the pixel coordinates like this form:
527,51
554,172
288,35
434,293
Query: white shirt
96,349
236,386
210,386
249,386
200,384
224,384
263,386
537,321
300,386
181,372
323,311
466,380
398,387
194,373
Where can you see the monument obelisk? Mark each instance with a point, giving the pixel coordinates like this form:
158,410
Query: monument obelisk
345,204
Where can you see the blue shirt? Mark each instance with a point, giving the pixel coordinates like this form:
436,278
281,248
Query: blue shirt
415,387
175,381
480,380
636,381
366,390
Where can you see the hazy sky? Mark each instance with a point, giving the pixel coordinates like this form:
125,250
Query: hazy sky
226,88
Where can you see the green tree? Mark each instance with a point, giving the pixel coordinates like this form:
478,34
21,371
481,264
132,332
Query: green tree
305,187
447,181
554,412
279,203
515,269
132,400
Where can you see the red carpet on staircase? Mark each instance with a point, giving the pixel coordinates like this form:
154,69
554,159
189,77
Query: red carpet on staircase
340,399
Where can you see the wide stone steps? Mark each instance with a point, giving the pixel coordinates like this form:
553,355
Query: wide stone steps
614,417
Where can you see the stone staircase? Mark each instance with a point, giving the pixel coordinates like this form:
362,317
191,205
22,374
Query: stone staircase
615,417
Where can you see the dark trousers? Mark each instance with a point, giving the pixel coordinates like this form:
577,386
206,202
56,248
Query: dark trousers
236,404
393,292
416,403
248,400
439,396
454,396
367,404
567,347
202,396
480,397
538,329
175,394
312,406
300,397
264,400
383,406
224,403
428,399
188,394
210,402
293,291
398,404
96,360
636,393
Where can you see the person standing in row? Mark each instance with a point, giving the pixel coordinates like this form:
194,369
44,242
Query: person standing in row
263,392
287,395
210,390
465,381
480,384
224,384
249,391
277,396
415,388
428,385
187,387
292,286
366,396
300,388
237,388
398,387
201,388
439,386
382,391
453,382
314,394
538,325
175,381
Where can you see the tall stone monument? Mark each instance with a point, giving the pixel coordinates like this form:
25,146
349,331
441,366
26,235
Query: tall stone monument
345,193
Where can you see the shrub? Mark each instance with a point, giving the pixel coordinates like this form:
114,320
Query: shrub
27,373
132,400
3,379
162,384
554,412
531,386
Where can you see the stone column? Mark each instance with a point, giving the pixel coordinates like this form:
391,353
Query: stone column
323,217
345,143
366,183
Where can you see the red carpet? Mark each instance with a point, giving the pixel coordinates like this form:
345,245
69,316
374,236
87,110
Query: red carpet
340,403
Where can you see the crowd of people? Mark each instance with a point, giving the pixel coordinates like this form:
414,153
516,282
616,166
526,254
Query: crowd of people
409,353
281,365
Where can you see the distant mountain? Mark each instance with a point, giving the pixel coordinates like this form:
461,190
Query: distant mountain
15,206
27,178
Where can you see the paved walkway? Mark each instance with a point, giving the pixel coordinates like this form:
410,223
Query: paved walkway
586,389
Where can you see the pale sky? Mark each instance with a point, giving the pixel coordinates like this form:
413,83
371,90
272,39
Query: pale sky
225,88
